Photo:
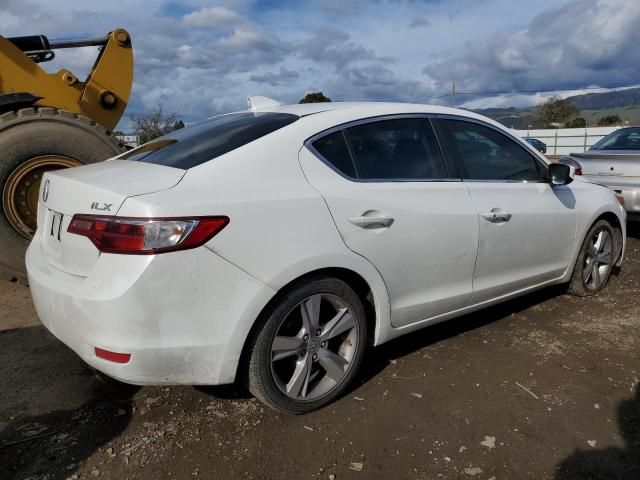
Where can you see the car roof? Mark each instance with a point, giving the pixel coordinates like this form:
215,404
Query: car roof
360,110
364,108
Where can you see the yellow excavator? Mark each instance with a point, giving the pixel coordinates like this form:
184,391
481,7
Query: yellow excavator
50,121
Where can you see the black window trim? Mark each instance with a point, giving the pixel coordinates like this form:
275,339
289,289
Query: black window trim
452,169
443,131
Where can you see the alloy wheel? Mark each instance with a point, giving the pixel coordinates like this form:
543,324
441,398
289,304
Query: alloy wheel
597,260
314,346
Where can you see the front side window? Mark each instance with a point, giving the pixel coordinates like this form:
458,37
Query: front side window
486,154
204,141
624,139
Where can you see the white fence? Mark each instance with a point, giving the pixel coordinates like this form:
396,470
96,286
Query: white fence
130,140
562,141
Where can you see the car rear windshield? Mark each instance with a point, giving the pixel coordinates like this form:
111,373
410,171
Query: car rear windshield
209,139
623,139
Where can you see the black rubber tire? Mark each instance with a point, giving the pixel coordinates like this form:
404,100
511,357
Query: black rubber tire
259,377
32,132
577,286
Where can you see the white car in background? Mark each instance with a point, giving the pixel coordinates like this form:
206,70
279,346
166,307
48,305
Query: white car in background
615,162
273,246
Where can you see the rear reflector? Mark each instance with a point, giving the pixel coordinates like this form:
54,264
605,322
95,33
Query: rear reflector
146,236
113,356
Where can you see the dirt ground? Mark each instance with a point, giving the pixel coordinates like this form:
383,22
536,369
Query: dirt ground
543,387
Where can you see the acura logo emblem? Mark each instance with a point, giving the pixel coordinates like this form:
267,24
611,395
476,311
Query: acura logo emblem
45,191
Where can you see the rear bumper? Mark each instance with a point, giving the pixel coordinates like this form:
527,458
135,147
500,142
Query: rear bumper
630,193
182,316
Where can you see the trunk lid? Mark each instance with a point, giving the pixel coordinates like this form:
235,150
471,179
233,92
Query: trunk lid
98,189
609,164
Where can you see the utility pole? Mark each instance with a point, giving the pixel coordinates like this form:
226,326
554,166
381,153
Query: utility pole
453,94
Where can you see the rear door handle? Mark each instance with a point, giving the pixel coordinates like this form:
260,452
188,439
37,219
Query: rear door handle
497,215
372,221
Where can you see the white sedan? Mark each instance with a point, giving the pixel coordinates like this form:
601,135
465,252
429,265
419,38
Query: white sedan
273,246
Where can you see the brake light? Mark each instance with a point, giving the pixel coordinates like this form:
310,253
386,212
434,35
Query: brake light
574,163
145,236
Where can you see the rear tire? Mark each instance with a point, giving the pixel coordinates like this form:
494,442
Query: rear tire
595,261
298,364
32,141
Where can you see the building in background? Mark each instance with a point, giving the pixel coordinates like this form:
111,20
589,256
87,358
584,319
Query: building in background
129,140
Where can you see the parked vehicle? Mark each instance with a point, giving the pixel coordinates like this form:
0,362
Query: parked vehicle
614,161
537,144
273,246
50,121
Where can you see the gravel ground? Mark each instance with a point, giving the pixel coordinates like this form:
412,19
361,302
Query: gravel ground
546,386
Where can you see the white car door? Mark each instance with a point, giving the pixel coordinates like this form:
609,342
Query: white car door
394,202
527,228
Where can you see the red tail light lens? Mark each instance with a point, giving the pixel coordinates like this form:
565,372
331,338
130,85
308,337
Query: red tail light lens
574,163
144,236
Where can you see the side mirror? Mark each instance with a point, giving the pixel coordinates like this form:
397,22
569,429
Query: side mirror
560,174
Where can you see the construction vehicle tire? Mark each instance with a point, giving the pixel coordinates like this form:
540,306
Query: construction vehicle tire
32,142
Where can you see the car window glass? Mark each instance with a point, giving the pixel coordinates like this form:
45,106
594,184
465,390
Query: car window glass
624,139
487,154
402,149
334,149
204,141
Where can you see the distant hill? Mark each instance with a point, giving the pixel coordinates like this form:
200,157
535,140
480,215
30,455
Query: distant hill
606,100
593,106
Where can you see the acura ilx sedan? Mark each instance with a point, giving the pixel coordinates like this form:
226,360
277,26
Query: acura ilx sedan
273,246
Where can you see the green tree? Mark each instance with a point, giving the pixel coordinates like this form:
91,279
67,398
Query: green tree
315,97
609,121
556,110
154,124
578,122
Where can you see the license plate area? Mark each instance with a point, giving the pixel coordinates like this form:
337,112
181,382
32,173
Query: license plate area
52,233
54,229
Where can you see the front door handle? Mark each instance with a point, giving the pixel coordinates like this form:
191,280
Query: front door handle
372,221
497,215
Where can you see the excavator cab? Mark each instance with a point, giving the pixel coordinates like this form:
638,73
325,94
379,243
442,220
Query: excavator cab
50,121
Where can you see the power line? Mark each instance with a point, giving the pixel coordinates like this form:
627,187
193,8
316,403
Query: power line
526,91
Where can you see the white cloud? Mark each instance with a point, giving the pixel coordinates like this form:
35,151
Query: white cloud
212,17
201,57
581,42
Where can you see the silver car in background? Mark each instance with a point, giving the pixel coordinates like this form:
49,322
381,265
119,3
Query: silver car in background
615,162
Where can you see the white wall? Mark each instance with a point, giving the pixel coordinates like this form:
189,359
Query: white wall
131,140
562,141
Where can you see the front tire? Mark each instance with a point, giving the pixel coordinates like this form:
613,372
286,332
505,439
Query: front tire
310,346
595,260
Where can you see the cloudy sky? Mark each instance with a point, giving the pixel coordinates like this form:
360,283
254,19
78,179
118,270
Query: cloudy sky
201,57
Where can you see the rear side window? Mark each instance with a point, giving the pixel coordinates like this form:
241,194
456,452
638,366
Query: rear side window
334,148
204,141
400,149
403,149
486,154
624,139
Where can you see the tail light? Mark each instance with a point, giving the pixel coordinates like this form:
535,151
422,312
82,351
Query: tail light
146,236
574,163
